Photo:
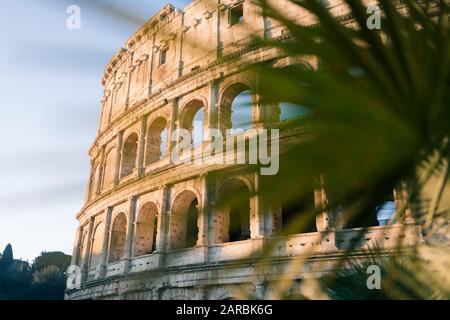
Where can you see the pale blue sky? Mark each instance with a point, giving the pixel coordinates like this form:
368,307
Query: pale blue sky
49,108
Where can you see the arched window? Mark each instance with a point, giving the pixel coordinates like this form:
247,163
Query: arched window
129,155
183,231
156,141
236,107
146,229
94,182
109,169
193,120
365,219
97,246
241,112
118,235
290,111
198,124
83,251
299,216
233,212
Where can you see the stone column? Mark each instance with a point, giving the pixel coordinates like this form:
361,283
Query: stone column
321,204
76,248
256,211
85,266
211,120
258,116
162,220
401,199
324,223
88,194
211,209
100,172
203,210
151,51
105,245
142,144
118,158
111,102
172,125
163,239
130,69
130,232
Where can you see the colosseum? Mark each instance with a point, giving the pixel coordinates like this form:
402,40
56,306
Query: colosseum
149,227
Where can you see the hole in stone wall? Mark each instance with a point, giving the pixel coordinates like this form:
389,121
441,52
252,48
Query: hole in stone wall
183,229
129,155
118,235
156,148
146,230
236,109
233,212
193,119
97,246
236,14
298,216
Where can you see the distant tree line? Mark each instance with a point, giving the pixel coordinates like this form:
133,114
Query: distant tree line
44,279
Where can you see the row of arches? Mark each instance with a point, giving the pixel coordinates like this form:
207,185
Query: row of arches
233,218
232,222
236,114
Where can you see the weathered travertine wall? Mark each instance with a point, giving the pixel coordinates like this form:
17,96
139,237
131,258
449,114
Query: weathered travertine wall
134,239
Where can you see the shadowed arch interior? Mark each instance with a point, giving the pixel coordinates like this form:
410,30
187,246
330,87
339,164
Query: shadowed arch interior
83,252
109,169
129,154
118,235
156,141
146,230
97,246
193,119
184,221
233,212
94,181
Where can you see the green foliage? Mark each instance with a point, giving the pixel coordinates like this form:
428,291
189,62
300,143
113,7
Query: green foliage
403,276
49,283
380,107
380,118
8,253
44,280
6,259
56,258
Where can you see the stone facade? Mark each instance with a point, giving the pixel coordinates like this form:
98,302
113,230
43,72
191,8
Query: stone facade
136,237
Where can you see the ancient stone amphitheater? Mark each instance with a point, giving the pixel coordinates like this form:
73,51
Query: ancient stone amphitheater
149,227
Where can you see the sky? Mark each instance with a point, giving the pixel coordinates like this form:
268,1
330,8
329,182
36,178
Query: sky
50,96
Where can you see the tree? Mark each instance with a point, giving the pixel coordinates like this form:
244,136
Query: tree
7,258
49,283
56,258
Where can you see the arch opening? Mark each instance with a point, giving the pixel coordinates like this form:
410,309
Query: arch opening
299,216
236,109
184,221
156,148
146,230
233,212
129,155
109,169
118,236
94,182
97,246
83,250
193,120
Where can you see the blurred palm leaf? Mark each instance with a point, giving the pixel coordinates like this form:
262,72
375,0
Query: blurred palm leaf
380,109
